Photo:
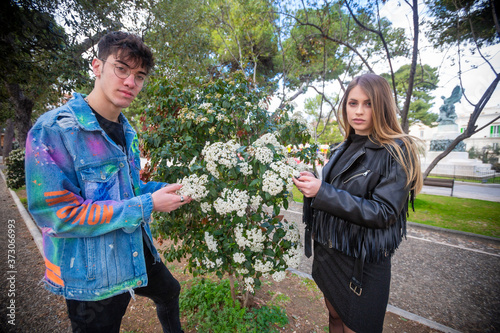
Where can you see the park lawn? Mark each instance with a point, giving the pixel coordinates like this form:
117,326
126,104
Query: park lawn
468,215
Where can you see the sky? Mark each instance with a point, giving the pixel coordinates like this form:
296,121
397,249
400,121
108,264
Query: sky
475,81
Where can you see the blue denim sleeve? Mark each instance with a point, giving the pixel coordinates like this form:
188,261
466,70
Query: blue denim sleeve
55,198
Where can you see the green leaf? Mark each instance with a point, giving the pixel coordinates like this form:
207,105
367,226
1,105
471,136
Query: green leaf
254,182
285,203
269,252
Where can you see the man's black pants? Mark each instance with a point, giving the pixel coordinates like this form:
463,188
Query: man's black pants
106,315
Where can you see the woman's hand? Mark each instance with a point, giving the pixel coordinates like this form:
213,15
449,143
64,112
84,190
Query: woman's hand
166,200
308,184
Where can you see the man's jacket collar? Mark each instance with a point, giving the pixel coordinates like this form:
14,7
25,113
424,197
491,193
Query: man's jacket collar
84,115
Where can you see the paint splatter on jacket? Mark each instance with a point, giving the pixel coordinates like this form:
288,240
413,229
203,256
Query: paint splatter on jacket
86,196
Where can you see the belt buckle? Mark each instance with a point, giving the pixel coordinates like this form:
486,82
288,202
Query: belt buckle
355,289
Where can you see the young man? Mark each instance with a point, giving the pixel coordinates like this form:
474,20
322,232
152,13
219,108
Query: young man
84,191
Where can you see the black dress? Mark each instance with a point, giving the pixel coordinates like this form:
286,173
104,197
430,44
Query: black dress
332,271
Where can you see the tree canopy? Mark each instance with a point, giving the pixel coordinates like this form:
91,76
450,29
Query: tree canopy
284,47
426,80
466,20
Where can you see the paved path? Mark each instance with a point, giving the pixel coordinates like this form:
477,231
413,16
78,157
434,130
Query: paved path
33,308
488,192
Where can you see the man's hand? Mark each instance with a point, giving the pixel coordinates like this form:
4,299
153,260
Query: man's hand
308,184
166,200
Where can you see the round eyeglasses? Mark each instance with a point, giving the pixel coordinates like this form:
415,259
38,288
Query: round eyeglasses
123,71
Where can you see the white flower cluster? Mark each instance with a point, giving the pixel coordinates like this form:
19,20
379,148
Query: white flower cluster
249,283
255,202
268,138
209,264
194,186
292,258
254,238
211,243
222,117
239,258
263,267
296,166
302,121
220,153
205,106
281,174
201,119
279,276
292,231
186,114
264,155
232,201
263,104
245,168
272,183
282,168
297,116
242,271
205,207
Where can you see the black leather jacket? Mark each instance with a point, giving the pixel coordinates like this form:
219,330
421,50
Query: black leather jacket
364,205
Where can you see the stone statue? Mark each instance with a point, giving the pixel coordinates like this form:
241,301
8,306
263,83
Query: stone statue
447,113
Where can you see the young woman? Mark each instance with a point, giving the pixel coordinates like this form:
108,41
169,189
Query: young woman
356,213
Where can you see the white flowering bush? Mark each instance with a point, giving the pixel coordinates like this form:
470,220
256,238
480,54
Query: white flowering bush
15,169
232,157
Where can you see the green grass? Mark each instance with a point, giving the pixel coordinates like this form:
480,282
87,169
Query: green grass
469,215
297,196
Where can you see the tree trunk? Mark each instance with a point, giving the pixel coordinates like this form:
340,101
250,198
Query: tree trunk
7,139
246,300
413,69
24,108
231,285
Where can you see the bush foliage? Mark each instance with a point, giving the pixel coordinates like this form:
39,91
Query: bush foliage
208,307
15,169
236,159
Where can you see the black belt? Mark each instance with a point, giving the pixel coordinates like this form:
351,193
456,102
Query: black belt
356,283
307,243
307,219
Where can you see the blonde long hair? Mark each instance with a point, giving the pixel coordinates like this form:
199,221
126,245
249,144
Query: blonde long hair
386,127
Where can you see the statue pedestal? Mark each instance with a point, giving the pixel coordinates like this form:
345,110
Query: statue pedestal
446,132
457,162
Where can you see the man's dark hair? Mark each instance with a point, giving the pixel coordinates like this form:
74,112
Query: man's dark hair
126,47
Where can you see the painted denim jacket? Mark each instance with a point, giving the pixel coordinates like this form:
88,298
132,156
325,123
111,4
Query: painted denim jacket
85,194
